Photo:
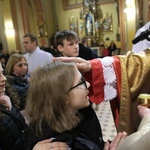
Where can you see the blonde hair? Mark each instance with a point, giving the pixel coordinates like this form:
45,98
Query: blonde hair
47,98
13,59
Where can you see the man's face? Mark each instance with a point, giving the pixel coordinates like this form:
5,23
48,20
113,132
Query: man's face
69,48
28,45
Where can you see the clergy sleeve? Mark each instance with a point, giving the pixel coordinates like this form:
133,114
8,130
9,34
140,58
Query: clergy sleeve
96,79
102,78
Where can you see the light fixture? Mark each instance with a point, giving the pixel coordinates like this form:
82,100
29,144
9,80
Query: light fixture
129,7
9,30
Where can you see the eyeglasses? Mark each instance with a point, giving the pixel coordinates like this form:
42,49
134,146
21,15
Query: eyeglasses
83,81
22,64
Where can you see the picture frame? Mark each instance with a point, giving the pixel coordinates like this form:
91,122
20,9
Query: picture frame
105,1
107,23
68,4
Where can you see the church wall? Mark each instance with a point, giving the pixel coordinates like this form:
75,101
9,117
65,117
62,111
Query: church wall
58,18
63,17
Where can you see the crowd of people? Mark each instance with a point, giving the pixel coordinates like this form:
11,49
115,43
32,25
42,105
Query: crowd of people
46,102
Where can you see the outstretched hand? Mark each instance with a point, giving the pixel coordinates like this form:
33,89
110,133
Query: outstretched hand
116,141
82,64
143,111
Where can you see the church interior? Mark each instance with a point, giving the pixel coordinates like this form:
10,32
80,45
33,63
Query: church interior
111,20
97,22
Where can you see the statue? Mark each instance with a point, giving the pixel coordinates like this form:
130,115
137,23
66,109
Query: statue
97,25
89,24
42,32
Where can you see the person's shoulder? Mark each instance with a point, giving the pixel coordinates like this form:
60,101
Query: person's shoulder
10,79
46,55
145,27
26,55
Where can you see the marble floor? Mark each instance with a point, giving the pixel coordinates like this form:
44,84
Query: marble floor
105,117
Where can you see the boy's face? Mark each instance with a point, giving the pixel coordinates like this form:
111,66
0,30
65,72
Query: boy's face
69,48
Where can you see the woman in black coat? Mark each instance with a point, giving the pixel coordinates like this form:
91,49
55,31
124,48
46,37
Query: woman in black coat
12,123
112,47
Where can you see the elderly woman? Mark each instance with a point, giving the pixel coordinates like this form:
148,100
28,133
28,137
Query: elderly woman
17,79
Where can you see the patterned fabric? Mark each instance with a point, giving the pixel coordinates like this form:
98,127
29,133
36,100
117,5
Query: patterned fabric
105,117
135,71
110,91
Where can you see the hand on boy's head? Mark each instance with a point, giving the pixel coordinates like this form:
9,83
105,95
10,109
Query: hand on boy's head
5,100
82,64
143,111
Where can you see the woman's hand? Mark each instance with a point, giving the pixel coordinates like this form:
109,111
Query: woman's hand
116,141
5,100
143,111
48,144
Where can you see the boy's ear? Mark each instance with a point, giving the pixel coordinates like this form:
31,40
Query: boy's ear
60,48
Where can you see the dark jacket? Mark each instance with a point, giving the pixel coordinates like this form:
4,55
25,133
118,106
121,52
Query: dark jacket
88,129
85,52
12,129
112,48
20,86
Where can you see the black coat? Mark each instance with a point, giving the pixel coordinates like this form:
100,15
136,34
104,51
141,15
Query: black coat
88,127
18,86
12,129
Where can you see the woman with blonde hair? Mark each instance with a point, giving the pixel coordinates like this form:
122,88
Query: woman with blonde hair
17,78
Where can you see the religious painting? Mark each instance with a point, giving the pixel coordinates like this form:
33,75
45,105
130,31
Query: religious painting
73,24
107,23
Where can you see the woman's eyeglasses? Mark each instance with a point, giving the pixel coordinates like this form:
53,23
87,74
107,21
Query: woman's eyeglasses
22,64
83,81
